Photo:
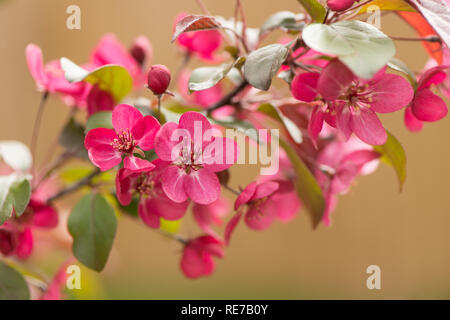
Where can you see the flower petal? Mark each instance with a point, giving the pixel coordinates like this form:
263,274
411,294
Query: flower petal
104,156
144,132
36,65
366,125
334,80
304,86
136,164
428,106
412,123
125,117
164,143
220,154
390,93
202,186
149,217
231,225
245,195
99,136
172,179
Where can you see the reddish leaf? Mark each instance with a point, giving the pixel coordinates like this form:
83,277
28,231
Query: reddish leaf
194,23
424,29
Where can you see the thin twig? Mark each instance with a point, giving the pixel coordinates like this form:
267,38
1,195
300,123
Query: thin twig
227,187
37,124
228,99
76,186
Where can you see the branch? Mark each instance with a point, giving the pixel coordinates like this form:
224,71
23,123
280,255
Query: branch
228,99
76,186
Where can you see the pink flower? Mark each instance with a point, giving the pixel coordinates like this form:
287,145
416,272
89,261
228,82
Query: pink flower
131,130
211,214
267,201
339,164
141,50
158,79
153,202
197,259
201,43
340,5
58,282
16,237
193,155
50,78
426,106
350,104
110,50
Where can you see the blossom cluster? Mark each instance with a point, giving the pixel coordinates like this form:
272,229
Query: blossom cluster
166,151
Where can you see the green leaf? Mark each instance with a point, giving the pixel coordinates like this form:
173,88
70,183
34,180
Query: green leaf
21,193
114,79
92,225
306,185
400,66
360,46
437,13
12,284
283,19
393,153
101,119
206,77
315,9
15,192
277,115
72,139
16,155
262,65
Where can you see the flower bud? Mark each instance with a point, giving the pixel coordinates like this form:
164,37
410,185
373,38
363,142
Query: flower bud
158,79
141,51
340,5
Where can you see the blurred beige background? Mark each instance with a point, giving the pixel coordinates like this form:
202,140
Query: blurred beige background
406,234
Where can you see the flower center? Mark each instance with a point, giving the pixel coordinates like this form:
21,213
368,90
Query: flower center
124,142
189,158
145,185
359,95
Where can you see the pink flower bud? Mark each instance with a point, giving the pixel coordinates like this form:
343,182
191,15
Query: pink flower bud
340,5
141,51
158,79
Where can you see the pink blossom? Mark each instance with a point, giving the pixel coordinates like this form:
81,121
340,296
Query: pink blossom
201,43
193,155
265,202
16,237
211,214
58,282
350,104
131,130
339,163
153,202
141,50
426,106
50,77
110,50
197,259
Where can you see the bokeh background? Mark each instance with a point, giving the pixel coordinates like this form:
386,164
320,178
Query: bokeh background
406,234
